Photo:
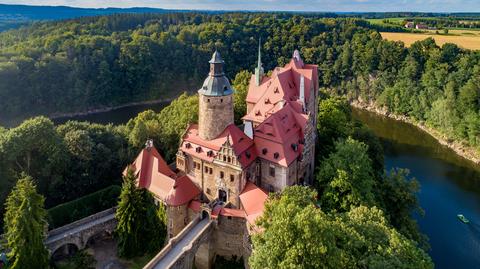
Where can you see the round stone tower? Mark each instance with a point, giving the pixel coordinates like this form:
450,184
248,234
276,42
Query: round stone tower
215,101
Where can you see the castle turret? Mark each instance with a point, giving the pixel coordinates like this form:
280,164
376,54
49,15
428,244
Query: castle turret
215,101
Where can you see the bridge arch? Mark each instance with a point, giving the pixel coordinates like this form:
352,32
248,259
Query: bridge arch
205,215
64,251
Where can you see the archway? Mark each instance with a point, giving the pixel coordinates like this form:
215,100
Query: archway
64,251
205,214
222,195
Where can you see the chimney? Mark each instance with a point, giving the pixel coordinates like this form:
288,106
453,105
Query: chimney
302,91
149,144
248,129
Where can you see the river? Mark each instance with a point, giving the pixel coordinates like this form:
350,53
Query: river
450,185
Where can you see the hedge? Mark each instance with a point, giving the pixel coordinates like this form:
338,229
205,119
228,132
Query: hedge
83,207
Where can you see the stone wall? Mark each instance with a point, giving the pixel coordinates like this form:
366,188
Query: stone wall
272,183
177,219
228,237
215,113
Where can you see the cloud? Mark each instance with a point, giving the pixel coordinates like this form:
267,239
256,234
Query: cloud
275,5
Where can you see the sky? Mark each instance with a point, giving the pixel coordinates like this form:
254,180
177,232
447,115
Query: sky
274,5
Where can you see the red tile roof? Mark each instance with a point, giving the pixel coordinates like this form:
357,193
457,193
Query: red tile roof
242,145
253,201
278,138
284,84
154,174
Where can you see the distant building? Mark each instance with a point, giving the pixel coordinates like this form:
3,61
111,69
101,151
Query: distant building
421,27
226,173
409,25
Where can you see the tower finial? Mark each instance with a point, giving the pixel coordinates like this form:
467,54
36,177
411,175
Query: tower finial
259,69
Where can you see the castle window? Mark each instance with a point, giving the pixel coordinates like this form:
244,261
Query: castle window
264,151
211,171
272,171
229,159
232,178
206,169
222,175
221,100
208,191
208,100
248,154
224,158
295,147
276,155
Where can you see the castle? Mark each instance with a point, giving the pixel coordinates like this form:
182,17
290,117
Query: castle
225,173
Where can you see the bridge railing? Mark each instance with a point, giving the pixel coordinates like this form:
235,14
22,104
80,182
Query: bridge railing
83,221
171,243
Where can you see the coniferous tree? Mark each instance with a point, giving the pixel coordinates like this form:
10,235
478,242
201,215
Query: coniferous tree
139,228
26,226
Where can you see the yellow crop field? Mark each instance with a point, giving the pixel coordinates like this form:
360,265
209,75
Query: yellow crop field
463,38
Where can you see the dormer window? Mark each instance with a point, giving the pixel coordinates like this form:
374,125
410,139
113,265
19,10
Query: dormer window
295,147
198,149
188,145
209,153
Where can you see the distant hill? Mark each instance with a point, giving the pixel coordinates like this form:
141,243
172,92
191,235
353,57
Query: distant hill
13,16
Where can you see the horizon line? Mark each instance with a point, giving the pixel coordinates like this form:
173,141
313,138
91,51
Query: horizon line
242,10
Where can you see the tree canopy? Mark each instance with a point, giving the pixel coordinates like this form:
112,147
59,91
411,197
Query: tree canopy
297,234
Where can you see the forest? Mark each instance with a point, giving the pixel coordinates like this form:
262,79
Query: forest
87,63
111,60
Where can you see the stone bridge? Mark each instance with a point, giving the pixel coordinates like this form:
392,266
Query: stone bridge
76,235
180,251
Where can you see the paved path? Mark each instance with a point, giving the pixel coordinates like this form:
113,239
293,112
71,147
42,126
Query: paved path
177,250
77,229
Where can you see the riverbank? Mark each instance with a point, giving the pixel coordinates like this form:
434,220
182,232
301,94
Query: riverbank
108,109
465,151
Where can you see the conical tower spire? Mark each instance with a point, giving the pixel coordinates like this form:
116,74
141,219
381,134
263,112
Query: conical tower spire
259,69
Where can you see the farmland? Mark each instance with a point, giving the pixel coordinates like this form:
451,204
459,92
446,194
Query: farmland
467,39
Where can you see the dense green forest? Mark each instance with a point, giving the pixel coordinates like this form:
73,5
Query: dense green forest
105,61
93,62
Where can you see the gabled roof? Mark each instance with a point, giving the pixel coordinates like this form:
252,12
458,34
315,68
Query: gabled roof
241,144
154,175
277,139
253,201
284,84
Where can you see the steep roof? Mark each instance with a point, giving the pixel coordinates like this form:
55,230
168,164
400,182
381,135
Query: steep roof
253,201
154,175
242,145
284,84
278,138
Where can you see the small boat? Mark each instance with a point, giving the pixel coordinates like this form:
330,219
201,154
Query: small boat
462,218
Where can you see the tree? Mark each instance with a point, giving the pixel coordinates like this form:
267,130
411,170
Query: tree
240,85
297,234
346,179
400,201
139,227
26,226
